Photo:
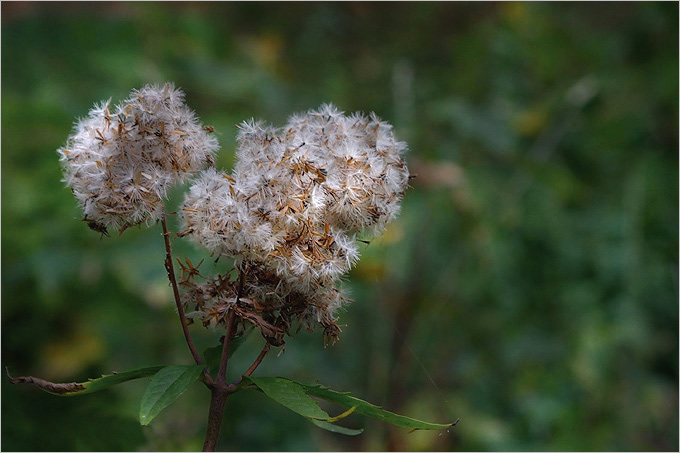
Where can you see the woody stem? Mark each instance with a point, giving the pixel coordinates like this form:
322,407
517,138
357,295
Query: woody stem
219,389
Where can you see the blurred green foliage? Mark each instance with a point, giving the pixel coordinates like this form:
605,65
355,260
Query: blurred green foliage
529,287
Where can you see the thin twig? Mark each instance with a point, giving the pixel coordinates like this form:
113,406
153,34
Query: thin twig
257,361
178,301
232,387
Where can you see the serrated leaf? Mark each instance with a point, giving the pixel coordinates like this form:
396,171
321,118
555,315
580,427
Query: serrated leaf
92,385
291,395
370,410
346,400
165,387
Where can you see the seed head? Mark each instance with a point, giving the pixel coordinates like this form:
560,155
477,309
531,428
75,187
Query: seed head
120,161
294,204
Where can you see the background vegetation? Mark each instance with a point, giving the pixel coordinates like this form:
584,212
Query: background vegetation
530,286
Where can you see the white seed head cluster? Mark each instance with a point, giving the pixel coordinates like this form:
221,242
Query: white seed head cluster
120,161
295,203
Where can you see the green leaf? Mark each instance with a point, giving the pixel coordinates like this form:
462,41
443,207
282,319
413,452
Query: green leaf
92,385
291,395
297,397
335,428
370,410
165,387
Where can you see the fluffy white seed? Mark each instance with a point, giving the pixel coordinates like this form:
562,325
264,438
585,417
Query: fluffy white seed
296,200
120,161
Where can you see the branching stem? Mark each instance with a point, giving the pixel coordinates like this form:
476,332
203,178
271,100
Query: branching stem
257,362
219,389
231,323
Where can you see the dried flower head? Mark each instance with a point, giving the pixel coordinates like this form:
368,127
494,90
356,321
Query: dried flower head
290,212
120,161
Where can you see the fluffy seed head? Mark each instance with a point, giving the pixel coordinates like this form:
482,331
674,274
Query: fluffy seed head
295,202
121,160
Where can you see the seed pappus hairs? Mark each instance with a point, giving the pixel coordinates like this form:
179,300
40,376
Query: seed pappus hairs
292,209
121,160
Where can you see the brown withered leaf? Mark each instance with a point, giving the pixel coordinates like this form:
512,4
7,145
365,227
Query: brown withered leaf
60,389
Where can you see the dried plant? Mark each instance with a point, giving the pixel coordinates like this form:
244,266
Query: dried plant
291,210
289,216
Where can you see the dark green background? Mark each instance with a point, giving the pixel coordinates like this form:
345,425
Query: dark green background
529,287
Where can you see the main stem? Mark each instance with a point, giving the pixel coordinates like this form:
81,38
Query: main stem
217,402
219,389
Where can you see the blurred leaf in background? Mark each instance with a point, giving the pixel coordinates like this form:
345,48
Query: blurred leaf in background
529,286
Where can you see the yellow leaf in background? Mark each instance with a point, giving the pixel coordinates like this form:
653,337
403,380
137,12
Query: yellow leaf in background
531,122
265,49
370,270
65,358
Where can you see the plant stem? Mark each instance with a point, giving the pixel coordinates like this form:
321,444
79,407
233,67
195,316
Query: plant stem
257,362
217,402
178,301
252,368
219,393
222,375
219,389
